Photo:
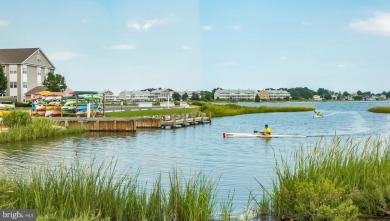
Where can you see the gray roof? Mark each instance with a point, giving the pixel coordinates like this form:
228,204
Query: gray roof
15,56
35,89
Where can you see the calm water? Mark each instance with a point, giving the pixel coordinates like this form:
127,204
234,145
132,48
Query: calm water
235,162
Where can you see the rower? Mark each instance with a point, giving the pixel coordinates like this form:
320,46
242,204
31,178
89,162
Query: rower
267,130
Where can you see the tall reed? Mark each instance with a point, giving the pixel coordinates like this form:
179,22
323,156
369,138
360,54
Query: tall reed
38,128
233,109
337,180
96,191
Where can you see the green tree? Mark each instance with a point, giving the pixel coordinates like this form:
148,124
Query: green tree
207,95
301,93
55,82
184,97
195,96
3,81
257,98
176,96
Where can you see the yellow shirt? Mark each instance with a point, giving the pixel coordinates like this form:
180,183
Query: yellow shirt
267,131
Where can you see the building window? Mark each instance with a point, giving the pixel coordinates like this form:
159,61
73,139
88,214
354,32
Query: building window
13,84
24,69
39,58
4,70
39,71
24,84
12,69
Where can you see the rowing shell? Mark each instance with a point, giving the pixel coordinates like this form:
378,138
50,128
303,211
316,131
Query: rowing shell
247,135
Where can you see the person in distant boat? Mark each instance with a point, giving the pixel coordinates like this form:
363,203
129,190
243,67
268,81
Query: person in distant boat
319,114
267,130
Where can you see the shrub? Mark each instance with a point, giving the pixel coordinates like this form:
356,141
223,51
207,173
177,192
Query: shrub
17,119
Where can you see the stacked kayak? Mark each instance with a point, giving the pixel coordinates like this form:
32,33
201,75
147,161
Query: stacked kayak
6,109
51,104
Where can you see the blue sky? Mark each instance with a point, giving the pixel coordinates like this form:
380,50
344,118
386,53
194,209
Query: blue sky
200,45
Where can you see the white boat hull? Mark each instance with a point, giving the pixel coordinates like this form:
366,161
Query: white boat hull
254,135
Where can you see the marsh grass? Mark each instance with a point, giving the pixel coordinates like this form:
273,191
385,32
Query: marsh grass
233,109
97,192
340,180
38,128
140,113
227,207
380,109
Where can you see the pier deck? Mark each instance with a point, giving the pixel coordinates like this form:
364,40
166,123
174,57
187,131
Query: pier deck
130,124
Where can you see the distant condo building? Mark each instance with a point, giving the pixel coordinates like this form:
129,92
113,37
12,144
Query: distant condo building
25,69
142,96
109,96
274,94
235,94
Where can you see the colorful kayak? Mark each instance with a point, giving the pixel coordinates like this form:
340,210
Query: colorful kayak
6,106
92,97
316,116
254,135
84,107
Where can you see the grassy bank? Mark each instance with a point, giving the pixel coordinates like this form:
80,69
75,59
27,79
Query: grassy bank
141,113
216,110
38,128
97,192
380,109
342,180
233,109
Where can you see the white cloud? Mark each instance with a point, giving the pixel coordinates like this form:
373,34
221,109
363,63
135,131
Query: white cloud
134,25
123,47
235,27
186,47
62,56
146,25
225,64
283,58
3,23
341,66
85,21
207,27
380,24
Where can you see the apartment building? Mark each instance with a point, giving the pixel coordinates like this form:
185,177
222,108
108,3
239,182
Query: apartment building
274,94
109,96
235,94
145,96
25,69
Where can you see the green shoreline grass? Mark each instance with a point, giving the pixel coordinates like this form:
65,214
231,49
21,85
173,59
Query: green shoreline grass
233,109
37,129
380,109
96,192
141,113
342,180
215,110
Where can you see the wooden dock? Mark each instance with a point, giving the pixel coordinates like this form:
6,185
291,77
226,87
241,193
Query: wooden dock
132,124
185,121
